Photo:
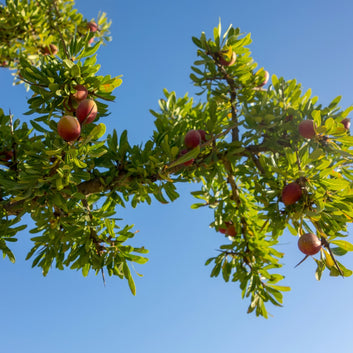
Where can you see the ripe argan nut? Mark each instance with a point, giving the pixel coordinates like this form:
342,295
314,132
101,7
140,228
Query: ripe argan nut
81,93
346,123
224,62
192,139
203,135
86,111
69,128
291,193
267,77
309,244
230,231
92,26
306,129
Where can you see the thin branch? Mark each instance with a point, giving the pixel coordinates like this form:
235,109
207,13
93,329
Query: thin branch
56,10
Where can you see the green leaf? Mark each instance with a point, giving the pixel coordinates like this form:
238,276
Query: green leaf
97,132
109,86
159,196
130,280
343,244
38,127
79,163
280,288
192,154
85,269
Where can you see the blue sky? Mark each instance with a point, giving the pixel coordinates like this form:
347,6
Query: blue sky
178,307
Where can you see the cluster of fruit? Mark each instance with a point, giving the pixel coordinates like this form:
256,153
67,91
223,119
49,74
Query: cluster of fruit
308,243
69,126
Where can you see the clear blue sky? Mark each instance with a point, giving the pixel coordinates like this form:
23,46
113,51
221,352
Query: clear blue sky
178,307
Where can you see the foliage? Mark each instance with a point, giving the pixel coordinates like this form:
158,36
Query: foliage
252,150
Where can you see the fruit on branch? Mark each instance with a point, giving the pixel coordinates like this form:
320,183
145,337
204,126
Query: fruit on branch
6,156
309,244
69,128
189,162
291,193
346,123
192,139
86,111
224,61
203,135
51,49
306,129
228,229
265,80
81,93
92,26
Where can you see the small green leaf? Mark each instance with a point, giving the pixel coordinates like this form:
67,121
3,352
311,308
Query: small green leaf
130,280
97,132
85,270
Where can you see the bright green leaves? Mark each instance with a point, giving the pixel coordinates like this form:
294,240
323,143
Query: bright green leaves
266,152
236,263
83,239
8,232
110,84
225,57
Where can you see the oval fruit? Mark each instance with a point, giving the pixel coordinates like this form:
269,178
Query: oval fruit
291,193
346,123
192,139
306,129
309,244
69,128
265,80
92,26
81,93
224,62
86,112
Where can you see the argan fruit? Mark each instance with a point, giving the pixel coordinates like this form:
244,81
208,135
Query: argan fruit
306,129
81,93
86,111
309,244
265,80
346,123
203,135
69,128
192,139
291,193
92,26
230,231
224,62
